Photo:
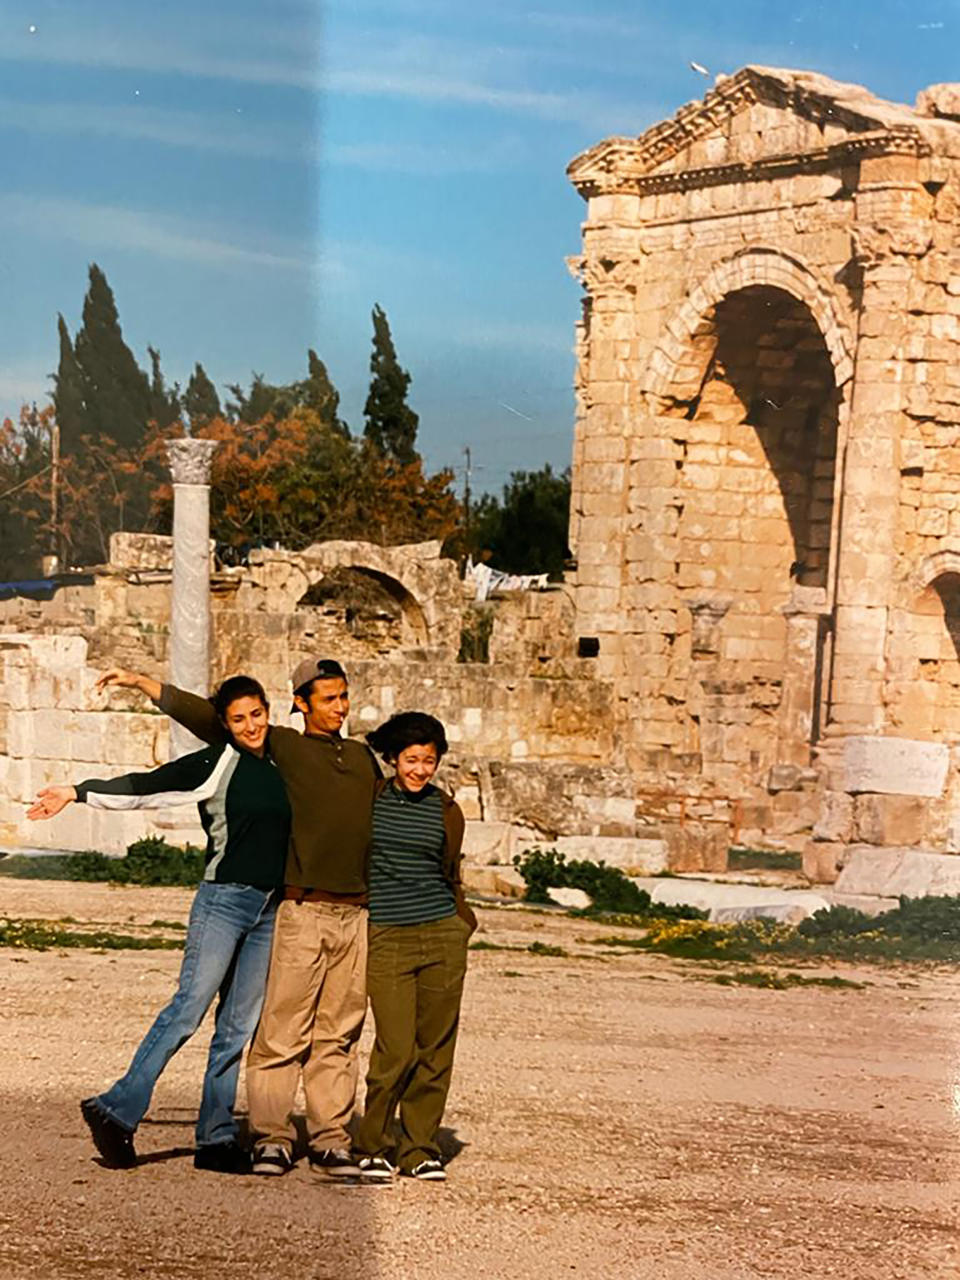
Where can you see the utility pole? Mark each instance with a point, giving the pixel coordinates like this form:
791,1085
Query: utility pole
467,471
55,539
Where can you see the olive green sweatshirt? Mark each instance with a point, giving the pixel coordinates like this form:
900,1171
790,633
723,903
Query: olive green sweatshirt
330,782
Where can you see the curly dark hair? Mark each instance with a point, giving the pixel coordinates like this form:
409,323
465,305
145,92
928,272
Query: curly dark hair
237,687
407,729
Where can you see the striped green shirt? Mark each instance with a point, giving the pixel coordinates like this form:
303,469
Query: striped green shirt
407,884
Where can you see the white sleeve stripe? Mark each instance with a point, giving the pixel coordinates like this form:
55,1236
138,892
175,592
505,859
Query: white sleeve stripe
165,799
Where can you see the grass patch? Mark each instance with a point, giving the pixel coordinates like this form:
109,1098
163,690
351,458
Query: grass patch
41,935
489,946
771,980
545,949
918,930
739,859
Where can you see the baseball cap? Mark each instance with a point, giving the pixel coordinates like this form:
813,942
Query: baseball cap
315,669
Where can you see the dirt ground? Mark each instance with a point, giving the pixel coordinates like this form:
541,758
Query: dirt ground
621,1117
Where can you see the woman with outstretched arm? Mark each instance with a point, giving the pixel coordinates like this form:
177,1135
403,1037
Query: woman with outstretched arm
246,816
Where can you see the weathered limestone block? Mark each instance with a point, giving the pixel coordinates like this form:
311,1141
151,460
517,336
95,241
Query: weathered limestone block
835,821
697,846
891,872
636,856
890,819
897,766
823,861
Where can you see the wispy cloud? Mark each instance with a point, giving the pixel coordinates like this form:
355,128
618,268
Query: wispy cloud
394,66
428,160
155,234
235,133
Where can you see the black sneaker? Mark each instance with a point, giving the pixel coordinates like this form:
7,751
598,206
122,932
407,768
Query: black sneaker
375,1167
334,1162
272,1159
112,1140
427,1171
223,1157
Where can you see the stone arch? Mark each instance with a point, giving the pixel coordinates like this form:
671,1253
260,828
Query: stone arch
941,564
922,691
377,608
751,267
424,586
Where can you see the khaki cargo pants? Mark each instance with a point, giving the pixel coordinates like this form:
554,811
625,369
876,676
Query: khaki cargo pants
312,1017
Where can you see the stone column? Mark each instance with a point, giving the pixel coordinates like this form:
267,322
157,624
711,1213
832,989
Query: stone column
892,232
190,607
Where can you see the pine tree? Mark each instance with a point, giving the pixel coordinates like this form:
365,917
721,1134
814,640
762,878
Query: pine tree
116,390
71,410
164,404
318,393
200,400
391,425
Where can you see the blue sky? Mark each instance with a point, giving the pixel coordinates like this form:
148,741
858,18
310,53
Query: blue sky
254,176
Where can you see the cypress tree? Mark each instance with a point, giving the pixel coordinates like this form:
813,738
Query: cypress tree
164,404
317,392
116,390
68,399
200,400
391,425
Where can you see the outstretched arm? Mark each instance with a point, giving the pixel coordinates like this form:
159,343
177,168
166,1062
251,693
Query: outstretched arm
188,780
194,713
123,679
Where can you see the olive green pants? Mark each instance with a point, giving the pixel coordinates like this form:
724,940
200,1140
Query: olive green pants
415,978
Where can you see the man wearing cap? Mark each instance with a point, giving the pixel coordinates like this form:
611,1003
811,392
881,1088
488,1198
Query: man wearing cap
316,990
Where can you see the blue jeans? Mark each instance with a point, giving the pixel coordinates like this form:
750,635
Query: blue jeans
227,952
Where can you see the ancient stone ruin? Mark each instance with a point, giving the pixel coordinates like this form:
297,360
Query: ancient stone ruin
767,471
760,643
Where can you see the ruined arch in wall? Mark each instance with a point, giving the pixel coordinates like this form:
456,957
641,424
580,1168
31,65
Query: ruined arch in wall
749,380
377,612
923,657
411,590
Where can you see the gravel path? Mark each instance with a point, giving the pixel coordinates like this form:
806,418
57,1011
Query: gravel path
617,1116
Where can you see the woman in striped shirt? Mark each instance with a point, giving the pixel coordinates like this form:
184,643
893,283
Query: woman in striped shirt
246,816
419,926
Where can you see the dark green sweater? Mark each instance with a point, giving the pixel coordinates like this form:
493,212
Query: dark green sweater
330,782
243,807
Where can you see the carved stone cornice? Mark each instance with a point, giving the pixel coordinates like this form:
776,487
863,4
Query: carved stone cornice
630,165
623,172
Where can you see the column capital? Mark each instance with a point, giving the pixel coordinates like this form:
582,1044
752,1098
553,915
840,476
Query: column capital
189,460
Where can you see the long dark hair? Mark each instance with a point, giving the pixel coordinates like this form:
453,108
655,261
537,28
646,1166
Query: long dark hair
236,687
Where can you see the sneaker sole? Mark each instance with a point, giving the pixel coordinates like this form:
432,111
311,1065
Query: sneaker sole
319,1171
264,1170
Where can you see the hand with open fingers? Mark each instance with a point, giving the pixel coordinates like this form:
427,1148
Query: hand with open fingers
118,676
50,801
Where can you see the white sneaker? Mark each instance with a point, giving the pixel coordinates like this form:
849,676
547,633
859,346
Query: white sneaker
375,1167
272,1159
428,1171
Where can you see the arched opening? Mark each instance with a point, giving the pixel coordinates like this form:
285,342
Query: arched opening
761,386
361,613
924,690
757,410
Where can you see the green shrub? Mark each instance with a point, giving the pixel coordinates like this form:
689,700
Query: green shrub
150,861
612,892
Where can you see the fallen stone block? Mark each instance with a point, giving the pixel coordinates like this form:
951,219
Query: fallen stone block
573,899
893,872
